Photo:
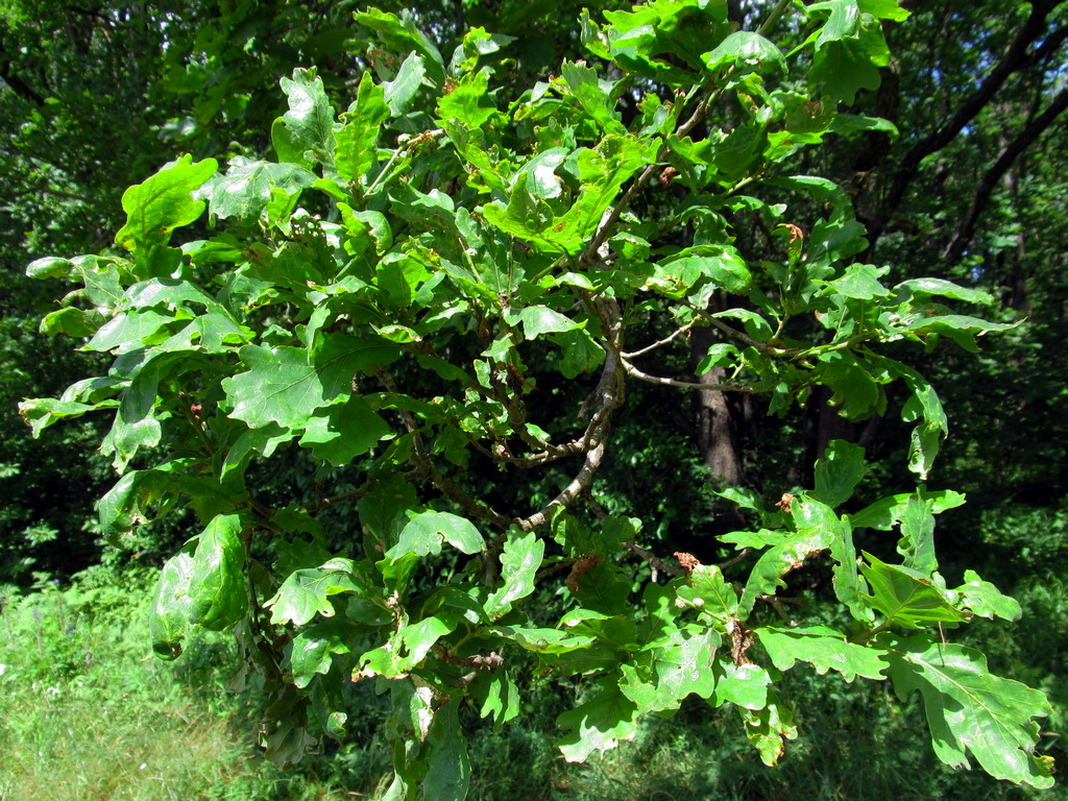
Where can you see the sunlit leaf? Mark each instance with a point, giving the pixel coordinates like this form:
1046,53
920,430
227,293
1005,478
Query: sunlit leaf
969,710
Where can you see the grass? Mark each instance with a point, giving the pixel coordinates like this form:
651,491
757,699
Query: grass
88,714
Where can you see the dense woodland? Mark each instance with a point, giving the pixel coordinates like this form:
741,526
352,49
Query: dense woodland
965,184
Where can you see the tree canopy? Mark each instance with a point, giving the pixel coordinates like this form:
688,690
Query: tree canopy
493,340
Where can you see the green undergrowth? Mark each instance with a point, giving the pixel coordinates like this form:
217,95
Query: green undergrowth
87,713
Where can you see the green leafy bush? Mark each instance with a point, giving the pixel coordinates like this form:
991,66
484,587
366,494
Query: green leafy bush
439,297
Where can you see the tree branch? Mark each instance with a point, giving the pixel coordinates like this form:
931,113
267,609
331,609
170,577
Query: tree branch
1015,58
655,562
19,86
1034,129
610,397
674,382
333,500
665,341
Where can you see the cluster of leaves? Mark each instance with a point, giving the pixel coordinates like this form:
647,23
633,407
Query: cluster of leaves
392,295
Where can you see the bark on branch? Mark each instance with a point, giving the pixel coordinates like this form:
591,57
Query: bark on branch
19,86
1018,56
610,397
1034,129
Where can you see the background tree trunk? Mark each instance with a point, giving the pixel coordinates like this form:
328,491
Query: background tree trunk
718,420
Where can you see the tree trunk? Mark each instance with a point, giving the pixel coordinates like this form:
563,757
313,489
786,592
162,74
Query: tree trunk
718,426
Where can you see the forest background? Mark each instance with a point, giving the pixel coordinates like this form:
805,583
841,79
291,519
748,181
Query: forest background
96,98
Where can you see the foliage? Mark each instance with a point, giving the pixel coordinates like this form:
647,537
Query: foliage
440,296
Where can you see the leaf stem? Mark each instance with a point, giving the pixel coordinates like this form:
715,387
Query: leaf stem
773,18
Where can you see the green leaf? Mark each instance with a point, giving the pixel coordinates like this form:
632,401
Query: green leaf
856,392
307,592
366,227
883,9
520,561
885,513
843,68
406,649
358,136
400,35
723,268
640,39
309,122
469,103
162,203
745,685
168,617
751,49
346,431
280,387
861,281
525,216
286,385
128,330
813,517
984,599
136,424
769,728
594,96
121,508
706,590
925,404
843,22
926,287
598,724
777,561
314,648
540,320
49,267
72,322
427,531
960,328
679,665
838,472
824,648
969,710
218,587
40,413
917,536
448,772
409,79
498,695
248,186
544,641
580,352
907,598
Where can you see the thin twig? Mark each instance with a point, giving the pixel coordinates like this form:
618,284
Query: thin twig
658,564
735,559
665,341
334,500
674,382
734,333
